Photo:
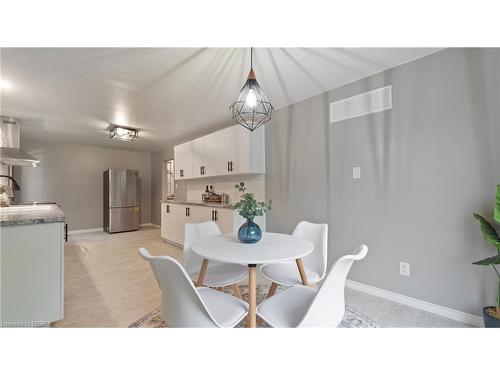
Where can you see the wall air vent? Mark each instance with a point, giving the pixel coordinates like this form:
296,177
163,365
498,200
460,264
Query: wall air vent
363,104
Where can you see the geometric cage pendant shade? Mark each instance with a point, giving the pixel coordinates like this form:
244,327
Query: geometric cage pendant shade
251,108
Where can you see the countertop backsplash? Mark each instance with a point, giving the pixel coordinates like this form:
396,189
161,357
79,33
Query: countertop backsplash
195,188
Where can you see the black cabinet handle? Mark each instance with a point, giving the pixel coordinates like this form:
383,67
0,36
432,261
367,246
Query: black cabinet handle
66,232
212,215
181,172
188,210
168,208
231,163
228,168
215,215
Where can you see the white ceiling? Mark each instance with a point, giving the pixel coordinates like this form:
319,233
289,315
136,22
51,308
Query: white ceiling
170,94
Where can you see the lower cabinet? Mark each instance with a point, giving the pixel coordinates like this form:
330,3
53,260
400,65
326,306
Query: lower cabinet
175,216
32,274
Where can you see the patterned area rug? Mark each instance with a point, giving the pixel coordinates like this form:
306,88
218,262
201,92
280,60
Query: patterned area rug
352,318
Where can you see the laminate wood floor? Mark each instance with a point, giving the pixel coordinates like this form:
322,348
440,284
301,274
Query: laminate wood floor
107,284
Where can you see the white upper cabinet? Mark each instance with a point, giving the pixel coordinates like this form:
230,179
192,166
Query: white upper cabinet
233,150
210,151
183,161
197,155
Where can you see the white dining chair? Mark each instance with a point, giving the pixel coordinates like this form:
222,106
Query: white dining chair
184,305
216,274
287,273
302,306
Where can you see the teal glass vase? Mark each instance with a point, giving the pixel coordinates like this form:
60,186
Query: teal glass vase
249,232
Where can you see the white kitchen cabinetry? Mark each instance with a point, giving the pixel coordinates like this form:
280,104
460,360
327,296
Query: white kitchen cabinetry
183,155
225,219
233,150
173,220
32,273
210,155
197,157
175,216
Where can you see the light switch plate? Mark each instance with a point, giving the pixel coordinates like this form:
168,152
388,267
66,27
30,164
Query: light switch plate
356,172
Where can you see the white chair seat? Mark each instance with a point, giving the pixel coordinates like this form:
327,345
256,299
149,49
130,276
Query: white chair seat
226,310
286,309
222,274
302,306
287,273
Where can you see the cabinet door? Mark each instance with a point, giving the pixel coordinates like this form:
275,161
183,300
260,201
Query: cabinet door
248,150
225,220
197,157
224,155
32,269
210,155
240,150
183,161
175,220
164,208
199,214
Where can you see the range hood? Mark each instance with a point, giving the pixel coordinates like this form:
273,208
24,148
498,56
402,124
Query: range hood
10,140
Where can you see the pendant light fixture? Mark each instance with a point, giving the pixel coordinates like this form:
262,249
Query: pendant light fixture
251,108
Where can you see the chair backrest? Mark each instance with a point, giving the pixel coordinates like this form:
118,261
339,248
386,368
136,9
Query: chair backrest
328,306
318,235
193,233
181,304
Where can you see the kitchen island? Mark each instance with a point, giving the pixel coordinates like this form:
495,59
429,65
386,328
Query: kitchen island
31,265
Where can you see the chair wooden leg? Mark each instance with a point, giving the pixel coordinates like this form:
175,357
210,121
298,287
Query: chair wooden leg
203,271
236,291
272,290
300,266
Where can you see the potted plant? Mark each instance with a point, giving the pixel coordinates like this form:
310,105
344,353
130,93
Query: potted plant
491,314
248,207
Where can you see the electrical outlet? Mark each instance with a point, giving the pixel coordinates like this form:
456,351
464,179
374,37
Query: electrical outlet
356,172
404,269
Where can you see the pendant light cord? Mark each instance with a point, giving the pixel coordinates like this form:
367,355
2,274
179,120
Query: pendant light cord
251,57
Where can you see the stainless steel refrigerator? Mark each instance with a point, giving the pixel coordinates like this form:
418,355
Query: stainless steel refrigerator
121,200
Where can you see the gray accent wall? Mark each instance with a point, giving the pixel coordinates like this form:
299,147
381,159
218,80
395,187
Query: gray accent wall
426,165
71,175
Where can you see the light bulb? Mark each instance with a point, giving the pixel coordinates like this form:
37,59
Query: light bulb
5,84
120,132
251,100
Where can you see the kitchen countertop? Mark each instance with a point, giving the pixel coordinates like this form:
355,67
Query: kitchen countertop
30,214
214,205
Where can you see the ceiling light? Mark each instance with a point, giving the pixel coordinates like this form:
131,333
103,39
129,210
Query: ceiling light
251,108
5,84
124,134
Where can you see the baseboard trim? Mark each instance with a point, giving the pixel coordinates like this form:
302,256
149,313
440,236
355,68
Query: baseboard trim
89,230
460,316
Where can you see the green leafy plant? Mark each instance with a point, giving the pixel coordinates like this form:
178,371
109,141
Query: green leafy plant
491,236
248,207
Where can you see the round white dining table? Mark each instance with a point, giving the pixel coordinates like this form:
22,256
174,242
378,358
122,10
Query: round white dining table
272,248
